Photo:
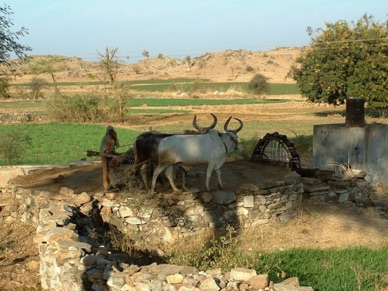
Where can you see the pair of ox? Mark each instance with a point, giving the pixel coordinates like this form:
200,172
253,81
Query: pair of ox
206,146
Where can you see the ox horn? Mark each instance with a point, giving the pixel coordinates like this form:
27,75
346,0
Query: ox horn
197,127
235,130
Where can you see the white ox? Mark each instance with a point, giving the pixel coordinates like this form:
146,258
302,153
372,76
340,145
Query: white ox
190,150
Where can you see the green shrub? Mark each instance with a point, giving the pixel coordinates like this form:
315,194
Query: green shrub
258,84
246,147
78,108
220,251
4,87
303,143
36,86
12,146
249,69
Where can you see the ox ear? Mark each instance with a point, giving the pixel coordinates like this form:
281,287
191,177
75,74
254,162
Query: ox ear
234,130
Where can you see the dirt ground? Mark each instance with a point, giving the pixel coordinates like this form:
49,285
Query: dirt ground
319,225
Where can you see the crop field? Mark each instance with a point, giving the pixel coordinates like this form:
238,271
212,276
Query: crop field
168,85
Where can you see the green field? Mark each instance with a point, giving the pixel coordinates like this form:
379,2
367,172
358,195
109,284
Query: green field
60,143
160,102
184,85
136,105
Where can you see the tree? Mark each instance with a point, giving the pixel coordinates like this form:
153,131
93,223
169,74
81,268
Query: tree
146,54
109,63
50,65
9,40
36,86
258,84
188,62
345,60
4,87
9,45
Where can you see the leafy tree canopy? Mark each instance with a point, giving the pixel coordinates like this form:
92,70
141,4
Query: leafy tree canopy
8,39
345,60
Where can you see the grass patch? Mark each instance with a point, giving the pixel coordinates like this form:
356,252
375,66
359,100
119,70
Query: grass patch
186,85
60,143
97,83
23,104
357,268
157,111
274,89
151,102
158,102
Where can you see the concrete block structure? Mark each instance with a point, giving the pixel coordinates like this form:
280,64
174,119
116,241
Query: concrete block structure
364,148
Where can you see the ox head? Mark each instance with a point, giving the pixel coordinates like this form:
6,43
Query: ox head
204,129
233,132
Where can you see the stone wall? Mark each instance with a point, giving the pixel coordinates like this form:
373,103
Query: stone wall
328,186
20,117
173,216
72,258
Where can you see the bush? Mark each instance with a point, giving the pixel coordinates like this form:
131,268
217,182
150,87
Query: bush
249,69
12,146
258,84
247,146
78,108
36,86
4,87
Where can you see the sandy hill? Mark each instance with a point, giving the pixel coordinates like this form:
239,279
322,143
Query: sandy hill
229,65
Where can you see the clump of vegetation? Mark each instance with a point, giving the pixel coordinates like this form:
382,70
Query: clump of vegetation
4,87
12,146
89,107
135,243
249,69
78,108
304,143
36,86
137,69
247,145
258,84
220,251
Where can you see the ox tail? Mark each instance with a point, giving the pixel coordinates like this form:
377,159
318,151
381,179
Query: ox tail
136,166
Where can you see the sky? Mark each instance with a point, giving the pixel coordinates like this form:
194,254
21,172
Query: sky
177,28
